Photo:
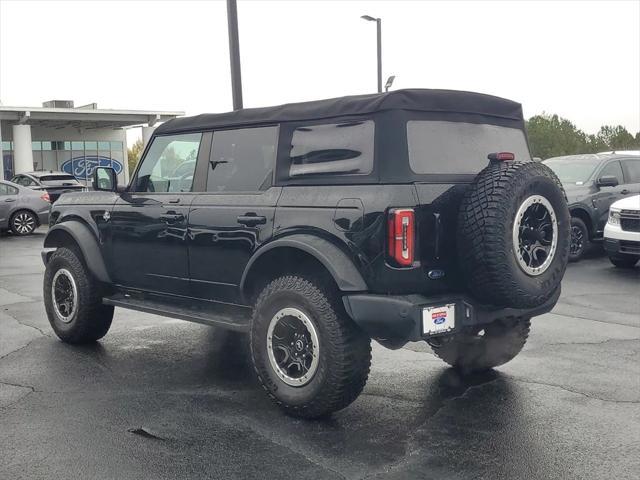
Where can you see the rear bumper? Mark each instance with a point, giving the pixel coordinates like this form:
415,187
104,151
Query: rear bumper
396,320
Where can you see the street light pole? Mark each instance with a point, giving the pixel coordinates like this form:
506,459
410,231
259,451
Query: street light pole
379,38
234,54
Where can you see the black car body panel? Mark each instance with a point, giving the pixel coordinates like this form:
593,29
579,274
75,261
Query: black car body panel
208,244
589,201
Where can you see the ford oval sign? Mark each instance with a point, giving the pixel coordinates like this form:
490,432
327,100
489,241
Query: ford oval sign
83,167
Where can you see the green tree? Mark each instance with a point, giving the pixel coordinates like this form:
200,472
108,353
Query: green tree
553,136
616,138
133,155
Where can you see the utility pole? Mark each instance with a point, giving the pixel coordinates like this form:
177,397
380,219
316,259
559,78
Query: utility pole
378,21
234,54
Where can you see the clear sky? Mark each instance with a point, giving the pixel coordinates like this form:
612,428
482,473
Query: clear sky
580,59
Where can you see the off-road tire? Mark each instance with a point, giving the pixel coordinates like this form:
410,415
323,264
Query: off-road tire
92,319
485,227
624,262
344,350
29,216
470,352
576,256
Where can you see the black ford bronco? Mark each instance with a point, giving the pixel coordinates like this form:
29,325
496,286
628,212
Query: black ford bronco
315,227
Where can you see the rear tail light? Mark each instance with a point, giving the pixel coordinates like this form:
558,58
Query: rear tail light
401,236
45,196
501,157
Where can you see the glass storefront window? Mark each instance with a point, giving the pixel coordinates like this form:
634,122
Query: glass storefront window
116,146
46,145
6,146
90,145
77,146
36,145
103,145
67,146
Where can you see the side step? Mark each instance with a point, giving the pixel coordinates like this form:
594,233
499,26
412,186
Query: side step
208,313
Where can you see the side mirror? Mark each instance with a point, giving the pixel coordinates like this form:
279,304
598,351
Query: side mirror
607,181
105,179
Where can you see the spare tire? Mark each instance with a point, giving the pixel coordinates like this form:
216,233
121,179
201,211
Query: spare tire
514,234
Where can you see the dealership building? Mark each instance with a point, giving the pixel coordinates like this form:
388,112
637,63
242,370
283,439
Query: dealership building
59,136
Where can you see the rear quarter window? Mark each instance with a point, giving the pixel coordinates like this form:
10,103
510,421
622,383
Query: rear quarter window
441,147
345,148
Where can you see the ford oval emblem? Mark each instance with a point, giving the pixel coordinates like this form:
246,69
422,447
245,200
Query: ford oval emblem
435,274
83,167
440,320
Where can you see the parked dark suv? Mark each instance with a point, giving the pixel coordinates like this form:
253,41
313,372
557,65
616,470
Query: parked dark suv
406,216
592,183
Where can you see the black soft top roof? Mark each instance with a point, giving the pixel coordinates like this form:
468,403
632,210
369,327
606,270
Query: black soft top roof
421,100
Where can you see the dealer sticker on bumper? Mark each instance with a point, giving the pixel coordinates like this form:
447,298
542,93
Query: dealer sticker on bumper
438,319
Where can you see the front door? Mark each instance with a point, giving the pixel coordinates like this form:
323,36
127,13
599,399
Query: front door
607,195
148,223
235,215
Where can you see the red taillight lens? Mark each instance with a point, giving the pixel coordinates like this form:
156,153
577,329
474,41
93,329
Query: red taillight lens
401,236
45,196
501,157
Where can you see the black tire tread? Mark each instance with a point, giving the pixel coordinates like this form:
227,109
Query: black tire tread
350,348
93,318
481,230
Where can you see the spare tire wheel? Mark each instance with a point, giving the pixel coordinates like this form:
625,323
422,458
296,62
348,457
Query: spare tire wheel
514,234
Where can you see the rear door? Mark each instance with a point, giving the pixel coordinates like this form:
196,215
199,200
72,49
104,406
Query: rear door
148,223
8,197
631,169
235,215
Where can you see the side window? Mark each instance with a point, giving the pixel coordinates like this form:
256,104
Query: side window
8,190
337,148
613,170
631,171
242,160
169,164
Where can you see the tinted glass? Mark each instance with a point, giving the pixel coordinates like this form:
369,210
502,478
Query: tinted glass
632,171
77,145
169,164
58,180
612,169
8,189
573,169
46,146
439,147
242,160
103,145
337,148
36,145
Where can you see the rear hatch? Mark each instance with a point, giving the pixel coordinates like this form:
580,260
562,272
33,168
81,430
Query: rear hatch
450,155
56,185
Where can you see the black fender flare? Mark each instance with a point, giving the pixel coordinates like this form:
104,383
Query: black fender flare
87,242
337,262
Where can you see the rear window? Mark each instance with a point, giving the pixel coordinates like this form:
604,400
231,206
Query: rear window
58,180
439,147
335,149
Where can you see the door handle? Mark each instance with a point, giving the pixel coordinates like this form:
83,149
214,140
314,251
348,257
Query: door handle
625,191
10,200
251,219
171,217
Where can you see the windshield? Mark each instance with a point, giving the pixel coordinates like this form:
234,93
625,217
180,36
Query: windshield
58,180
573,170
437,147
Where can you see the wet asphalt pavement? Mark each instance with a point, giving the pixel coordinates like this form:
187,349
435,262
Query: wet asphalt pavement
160,398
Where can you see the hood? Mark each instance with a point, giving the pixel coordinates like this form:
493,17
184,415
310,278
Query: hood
629,203
575,193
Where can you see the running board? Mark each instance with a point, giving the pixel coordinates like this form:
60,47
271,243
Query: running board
207,313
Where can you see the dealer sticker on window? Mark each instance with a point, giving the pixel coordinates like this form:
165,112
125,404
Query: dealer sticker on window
438,319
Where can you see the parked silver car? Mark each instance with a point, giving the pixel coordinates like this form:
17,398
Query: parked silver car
22,209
